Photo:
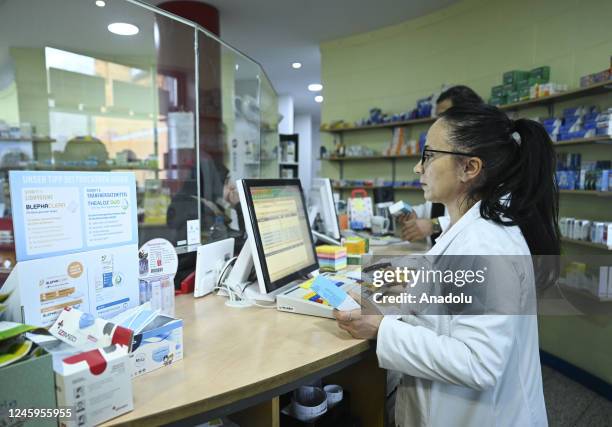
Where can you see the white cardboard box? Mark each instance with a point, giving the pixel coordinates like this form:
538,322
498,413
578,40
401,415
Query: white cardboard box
96,384
159,344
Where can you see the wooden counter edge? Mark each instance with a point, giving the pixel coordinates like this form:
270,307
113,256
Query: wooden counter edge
249,391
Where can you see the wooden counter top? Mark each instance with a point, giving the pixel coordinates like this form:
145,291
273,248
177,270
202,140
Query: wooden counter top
232,354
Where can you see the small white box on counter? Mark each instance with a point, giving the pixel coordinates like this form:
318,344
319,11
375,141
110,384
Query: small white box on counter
159,344
96,384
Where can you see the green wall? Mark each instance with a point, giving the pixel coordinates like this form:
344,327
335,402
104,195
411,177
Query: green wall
9,107
473,42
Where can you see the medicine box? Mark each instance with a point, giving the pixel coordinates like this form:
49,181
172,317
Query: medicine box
400,208
542,74
96,384
27,384
159,344
515,76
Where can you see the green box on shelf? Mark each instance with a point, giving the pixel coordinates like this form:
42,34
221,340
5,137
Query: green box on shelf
497,100
508,88
497,90
32,386
515,76
524,93
523,84
512,97
542,74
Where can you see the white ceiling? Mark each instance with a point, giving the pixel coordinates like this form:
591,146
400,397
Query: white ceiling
278,32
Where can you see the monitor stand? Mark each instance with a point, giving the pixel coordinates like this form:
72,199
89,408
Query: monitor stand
325,238
313,211
242,292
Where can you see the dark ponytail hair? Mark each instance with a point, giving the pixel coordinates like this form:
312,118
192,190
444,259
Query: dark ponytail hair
517,185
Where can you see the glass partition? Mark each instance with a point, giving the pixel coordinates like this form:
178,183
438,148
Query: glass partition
269,129
183,111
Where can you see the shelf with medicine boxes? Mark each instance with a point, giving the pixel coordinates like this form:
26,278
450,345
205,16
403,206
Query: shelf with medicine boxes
602,139
34,139
388,125
288,160
584,243
370,187
587,193
77,168
596,89
374,157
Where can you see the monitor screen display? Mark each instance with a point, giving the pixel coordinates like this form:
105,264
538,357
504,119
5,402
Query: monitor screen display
281,230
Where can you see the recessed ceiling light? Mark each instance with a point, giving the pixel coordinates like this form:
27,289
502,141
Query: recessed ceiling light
296,65
237,66
319,98
100,3
123,28
315,87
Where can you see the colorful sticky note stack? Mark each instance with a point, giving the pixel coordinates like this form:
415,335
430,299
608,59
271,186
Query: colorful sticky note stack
331,258
356,245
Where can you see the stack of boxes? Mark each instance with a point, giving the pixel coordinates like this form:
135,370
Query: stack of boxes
602,76
355,248
376,116
400,145
586,230
603,123
573,174
521,85
579,122
595,279
331,258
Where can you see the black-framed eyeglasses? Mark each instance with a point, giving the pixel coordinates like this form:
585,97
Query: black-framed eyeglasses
425,158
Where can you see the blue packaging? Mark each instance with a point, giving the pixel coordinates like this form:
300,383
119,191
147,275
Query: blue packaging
604,183
573,111
566,180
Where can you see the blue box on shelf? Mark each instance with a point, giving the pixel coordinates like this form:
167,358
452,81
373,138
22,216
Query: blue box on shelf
566,179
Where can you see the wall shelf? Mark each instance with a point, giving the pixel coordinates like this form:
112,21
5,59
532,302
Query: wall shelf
35,139
375,157
593,140
587,193
584,243
370,187
383,125
596,89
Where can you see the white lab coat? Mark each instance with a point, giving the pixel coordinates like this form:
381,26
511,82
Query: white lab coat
467,370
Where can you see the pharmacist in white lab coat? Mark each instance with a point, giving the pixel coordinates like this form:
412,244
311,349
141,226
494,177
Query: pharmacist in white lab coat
495,177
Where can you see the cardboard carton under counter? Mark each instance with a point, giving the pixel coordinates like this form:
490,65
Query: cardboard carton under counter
31,386
96,384
159,344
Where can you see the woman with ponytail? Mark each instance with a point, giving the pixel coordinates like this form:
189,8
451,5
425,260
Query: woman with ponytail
496,177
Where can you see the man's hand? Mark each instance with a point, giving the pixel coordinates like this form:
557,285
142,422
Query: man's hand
230,194
403,218
416,229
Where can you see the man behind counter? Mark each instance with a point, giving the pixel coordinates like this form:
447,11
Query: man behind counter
424,221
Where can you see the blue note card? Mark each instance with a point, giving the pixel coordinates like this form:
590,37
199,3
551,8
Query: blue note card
333,294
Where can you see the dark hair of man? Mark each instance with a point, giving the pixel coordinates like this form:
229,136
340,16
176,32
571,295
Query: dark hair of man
460,95
517,185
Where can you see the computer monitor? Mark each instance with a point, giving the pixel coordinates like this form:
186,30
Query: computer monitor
279,235
322,203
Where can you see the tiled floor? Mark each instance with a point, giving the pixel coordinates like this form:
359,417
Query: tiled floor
570,404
